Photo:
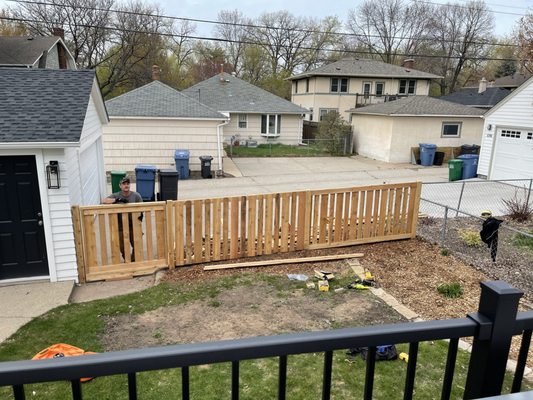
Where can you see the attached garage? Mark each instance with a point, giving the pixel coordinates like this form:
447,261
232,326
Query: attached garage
507,143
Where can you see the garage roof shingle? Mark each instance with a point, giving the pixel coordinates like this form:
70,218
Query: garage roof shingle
227,93
24,50
418,105
43,105
158,100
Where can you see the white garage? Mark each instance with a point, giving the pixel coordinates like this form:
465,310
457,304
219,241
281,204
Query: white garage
507,143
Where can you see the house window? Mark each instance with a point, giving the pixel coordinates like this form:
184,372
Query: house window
307,85
367,87
324,111
380,89
243,121
451,129
407,86
339,85
270,124
511,134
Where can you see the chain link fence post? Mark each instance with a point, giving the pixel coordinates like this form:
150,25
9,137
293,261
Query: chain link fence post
444,227
529,191
460,199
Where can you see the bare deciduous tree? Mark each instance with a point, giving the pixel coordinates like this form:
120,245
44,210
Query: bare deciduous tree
234,30
524,36
389,27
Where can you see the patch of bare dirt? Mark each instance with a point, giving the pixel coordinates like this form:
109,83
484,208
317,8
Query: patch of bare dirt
409,270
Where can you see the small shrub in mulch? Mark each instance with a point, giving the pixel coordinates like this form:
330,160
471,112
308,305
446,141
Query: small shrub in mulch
471,238
450,290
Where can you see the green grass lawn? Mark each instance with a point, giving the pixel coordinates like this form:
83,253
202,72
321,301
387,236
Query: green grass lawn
278,150
82,325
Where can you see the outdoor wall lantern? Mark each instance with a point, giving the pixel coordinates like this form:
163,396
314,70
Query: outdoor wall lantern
489,127
52,175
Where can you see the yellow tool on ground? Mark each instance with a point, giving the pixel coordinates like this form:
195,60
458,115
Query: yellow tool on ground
404,357
369,276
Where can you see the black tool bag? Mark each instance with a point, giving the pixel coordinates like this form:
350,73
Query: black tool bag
383,353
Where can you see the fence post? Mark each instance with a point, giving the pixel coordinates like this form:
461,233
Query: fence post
445,222
529,192
78,242
498,306
460,199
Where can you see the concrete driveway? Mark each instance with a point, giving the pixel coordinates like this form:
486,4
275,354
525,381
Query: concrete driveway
271,175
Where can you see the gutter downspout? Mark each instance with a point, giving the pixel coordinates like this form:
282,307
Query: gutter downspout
219,144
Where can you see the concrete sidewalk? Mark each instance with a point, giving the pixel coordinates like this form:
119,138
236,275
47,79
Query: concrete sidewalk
23,302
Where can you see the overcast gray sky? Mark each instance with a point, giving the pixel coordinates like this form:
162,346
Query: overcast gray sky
208,9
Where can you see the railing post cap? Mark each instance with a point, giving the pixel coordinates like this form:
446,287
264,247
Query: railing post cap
501,288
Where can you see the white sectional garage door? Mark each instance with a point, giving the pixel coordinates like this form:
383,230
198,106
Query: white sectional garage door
513,155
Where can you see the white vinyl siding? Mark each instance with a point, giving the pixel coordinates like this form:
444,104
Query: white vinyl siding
128,142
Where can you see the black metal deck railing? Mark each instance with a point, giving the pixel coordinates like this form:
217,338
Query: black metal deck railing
491,327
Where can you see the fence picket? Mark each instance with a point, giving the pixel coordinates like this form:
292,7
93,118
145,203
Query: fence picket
361,214
216,229
252,210
207,232
126,237
179,233
137,237
397,211
367,228
285,221
198,230
188,232
323,218
315,223
346,217
160,233
243,226
103,239
149,235
234,243
354,204
292,226
304,215
260,218
225,229
339,200
268,223
276,233
383,199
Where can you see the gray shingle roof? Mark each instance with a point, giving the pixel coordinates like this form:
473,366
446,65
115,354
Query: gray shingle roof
418,105
43,105
24,50
158,100
470,97
227,93
365,67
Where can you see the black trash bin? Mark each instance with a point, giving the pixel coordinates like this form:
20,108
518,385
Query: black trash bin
470,149
439,158
168,184
206,166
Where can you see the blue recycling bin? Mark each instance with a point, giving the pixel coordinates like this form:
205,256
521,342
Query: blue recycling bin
182,163
427,153
470,162
145,180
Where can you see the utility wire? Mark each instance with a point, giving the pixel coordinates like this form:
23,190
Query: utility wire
174,35
248,25
465,7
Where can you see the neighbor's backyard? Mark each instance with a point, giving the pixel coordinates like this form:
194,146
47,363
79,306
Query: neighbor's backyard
193,305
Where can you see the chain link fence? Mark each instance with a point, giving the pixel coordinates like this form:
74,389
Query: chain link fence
450,217
308,148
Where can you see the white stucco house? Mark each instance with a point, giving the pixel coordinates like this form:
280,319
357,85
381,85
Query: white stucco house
148,124
389,130
48,118
254,113
507,142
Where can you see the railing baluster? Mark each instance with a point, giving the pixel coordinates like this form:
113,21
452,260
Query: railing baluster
369,375
328,363
132,386
76,389
282,383
185,393
411,370
234,380
521,363
18,392
450,368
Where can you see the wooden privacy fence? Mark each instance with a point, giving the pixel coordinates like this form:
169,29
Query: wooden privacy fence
184,232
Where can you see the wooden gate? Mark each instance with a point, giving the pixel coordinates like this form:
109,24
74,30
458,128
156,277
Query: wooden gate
184,232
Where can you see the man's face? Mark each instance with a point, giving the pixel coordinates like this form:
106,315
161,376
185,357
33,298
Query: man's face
124,187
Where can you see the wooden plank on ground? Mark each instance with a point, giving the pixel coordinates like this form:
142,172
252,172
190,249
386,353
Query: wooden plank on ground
284,261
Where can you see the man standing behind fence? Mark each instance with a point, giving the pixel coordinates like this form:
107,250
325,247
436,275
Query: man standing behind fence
124,196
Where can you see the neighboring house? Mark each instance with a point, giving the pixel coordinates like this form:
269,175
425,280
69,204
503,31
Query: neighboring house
509,82
352,83
387,131
149,123
36,52
254,113
507,143
483,97
48,118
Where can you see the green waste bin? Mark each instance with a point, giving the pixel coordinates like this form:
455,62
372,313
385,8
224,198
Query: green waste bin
455,170
116,176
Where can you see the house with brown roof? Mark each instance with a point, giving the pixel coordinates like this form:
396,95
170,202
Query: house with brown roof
352,83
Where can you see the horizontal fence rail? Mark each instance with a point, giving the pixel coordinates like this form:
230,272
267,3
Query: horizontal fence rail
492,328
178,233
